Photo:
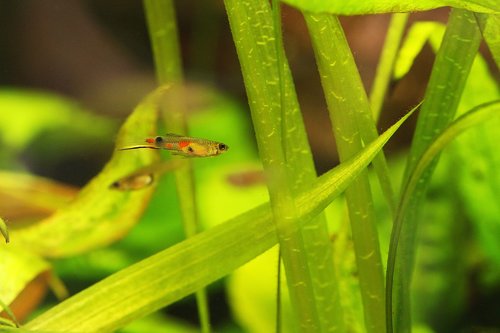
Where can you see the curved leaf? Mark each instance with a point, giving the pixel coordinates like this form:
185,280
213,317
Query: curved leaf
355,7
99,215
18,267
466,121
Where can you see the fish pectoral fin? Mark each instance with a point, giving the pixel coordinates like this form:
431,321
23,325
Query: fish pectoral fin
137,147
183,155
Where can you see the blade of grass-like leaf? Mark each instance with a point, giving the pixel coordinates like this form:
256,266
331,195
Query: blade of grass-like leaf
99,215
491,34
162,27
386,62
3,230
9,312
472,118
346,98
288,162
390,6
348,95
450,71
418,34
192,264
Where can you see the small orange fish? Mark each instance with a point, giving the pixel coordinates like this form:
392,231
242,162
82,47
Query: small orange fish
184,145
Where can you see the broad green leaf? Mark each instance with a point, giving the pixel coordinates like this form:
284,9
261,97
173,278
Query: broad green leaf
192,264
18,267
99,215
417,36
354,7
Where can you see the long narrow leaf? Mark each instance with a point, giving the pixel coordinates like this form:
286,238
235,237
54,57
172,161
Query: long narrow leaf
346,98
286,155
162,26
192,264
450,71
386,62
390,6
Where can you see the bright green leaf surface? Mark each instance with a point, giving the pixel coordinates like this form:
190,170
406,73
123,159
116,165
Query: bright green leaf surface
387,62
18,267
355,7
418,35
491,34
180,270
99,215
27,113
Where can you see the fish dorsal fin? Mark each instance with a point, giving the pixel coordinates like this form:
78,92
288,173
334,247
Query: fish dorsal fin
173,134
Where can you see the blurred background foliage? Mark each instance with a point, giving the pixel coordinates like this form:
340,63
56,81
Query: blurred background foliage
73,70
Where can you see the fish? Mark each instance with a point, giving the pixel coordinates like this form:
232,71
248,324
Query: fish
144,176
183,145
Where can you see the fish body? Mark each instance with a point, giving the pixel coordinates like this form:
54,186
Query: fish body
184,145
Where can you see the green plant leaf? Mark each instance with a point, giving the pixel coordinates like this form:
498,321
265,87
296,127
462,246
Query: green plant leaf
466,121
162,26
287,160
352,122
354,7
192,264
449,74
32,112
99,215
491,34
418,34
477,161
18,267
387,62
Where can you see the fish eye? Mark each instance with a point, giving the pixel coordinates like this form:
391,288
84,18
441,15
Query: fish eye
158,139
190,149
222,146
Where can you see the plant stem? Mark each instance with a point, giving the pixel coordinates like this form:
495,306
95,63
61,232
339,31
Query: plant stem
163,33
344,95
386,62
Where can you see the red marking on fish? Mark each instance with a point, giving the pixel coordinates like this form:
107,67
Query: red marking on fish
169,146
183,144
150,140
